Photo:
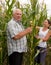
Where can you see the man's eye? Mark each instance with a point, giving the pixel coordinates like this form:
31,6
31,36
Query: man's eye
19,14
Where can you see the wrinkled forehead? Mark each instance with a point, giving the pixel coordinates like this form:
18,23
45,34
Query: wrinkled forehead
17,11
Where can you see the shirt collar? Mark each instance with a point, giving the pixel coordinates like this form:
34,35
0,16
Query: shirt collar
19,22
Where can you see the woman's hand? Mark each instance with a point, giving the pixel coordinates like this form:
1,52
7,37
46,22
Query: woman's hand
37,37
37,27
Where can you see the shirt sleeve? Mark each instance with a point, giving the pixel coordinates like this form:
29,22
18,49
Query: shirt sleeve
12,30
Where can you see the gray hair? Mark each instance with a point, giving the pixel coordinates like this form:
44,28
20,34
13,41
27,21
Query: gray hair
16,10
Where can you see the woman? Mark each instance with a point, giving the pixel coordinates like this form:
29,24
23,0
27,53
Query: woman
44,34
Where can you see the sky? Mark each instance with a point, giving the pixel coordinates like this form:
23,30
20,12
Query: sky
48,4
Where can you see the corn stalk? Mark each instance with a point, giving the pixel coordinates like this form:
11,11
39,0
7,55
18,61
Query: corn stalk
34,14
30,13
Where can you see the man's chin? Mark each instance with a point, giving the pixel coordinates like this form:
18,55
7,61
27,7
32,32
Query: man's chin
18,19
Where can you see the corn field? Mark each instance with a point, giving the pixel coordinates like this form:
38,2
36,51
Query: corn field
33,14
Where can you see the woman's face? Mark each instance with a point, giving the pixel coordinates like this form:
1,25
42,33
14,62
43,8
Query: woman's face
46,24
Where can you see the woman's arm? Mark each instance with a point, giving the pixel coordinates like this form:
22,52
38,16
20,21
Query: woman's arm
47,36
37,27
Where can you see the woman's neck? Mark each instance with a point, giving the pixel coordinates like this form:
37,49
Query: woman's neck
45,28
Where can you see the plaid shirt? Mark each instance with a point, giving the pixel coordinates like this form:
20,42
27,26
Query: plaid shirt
19,45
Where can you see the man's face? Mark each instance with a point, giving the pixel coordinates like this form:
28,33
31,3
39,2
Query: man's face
17,15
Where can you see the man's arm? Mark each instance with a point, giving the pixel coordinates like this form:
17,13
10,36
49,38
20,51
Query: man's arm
23,33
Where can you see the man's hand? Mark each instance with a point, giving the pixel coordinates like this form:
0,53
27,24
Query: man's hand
29,29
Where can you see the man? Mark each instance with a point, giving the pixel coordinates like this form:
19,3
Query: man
16,38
